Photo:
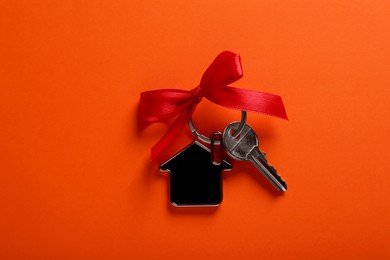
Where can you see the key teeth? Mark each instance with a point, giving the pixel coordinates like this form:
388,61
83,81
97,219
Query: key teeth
264,158
276,172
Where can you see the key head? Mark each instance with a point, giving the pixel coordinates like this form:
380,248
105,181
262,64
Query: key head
240,147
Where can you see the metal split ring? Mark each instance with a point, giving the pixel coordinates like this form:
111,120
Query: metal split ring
207,140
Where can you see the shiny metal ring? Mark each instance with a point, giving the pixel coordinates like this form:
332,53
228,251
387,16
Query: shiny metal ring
207,140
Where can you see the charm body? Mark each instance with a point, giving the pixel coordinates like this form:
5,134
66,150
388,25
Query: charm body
194,179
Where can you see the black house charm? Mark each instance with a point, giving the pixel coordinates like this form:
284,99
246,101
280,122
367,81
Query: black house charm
194,179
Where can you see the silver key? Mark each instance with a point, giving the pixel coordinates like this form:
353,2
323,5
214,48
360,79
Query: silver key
246,147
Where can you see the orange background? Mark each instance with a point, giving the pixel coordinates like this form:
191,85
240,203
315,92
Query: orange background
75,176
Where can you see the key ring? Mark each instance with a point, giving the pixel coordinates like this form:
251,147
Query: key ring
207,140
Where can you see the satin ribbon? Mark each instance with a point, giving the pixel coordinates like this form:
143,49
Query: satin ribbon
159,105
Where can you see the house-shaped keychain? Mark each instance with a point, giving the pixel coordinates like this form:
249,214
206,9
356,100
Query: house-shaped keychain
194,179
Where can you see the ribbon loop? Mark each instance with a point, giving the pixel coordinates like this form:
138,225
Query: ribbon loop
159,105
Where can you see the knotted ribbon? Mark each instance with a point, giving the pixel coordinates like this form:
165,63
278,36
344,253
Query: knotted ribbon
159,105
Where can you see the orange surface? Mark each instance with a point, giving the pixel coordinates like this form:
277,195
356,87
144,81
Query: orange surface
75,176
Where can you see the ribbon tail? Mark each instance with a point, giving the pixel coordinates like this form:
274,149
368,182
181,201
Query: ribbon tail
249,100
172,133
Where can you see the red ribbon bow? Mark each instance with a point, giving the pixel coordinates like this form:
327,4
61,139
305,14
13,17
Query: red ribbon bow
159,105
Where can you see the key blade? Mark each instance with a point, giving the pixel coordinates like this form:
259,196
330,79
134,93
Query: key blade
259,161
